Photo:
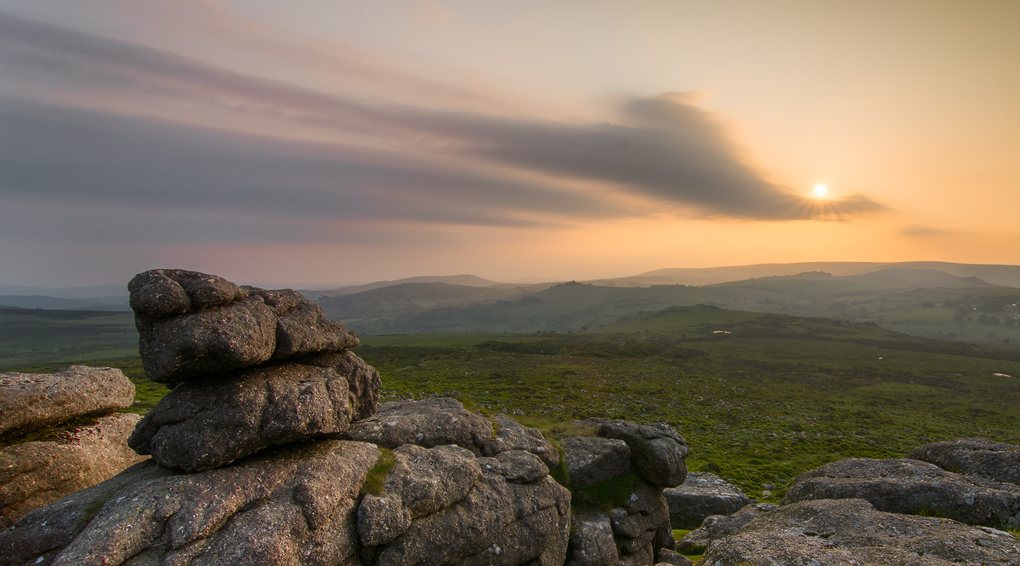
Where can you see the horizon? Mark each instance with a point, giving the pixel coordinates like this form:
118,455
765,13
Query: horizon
342,144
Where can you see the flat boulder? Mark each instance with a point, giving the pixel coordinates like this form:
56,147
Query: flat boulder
831,532
427,423
912,487
973,456
511,435
715,527
191,324
201,425
657,450
701,495
33,474
29,401
592,459
295,505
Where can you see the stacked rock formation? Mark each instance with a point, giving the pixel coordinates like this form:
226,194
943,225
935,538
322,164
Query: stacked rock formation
34,473
248,466
252,369
638,531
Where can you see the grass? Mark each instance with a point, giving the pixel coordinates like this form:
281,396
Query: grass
375,481
760,397
775,397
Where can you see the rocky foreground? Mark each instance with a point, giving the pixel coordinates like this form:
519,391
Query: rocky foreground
273,449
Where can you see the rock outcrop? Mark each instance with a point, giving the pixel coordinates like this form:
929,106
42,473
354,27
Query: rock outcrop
33,474
912,487
591,459
657,451
78,452
253,368
832,532
646,458
701,495
29,401
973,456
192,324
247,467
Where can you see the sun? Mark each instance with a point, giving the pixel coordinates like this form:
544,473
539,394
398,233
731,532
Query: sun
820,190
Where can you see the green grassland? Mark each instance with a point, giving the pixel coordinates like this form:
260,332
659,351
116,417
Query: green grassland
761,397
34,336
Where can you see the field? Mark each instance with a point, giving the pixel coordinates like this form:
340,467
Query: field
760,397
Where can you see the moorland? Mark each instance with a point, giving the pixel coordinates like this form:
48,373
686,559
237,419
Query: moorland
761,397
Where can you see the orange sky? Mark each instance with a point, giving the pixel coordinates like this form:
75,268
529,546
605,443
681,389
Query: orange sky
343,142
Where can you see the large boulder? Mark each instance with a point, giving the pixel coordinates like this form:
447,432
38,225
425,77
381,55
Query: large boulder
511,435
702,494
442,506
593,542
973,456
591,459
831,532
912,486
657,450
191,324
295,505
33,474
29,401
201,425
427,423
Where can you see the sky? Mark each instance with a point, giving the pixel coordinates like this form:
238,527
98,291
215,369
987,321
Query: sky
326,142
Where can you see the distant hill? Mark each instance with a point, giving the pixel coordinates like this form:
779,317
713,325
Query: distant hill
117,303
1006,275
461,280
412,298
920,278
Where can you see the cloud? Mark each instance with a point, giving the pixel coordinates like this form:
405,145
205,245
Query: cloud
132,124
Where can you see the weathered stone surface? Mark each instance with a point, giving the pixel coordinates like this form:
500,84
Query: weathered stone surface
203,425
295,505
498,523
363,382
637,522
511,435
214,340
429,479
161,293
912,486
973,456
716,527
832,532
29,401
592,542
672,557
34,474
702,494
591,459
301,326
657,451
517,466
381,519
427,423
191,324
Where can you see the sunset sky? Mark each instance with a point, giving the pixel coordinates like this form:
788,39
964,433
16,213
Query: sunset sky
330,142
